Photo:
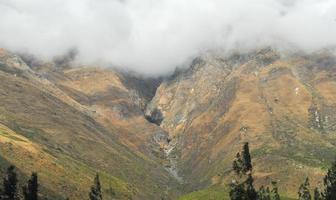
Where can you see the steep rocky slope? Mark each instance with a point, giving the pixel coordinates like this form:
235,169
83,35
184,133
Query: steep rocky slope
68,124
283,104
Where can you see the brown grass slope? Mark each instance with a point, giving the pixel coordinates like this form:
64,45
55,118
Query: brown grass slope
64,132
283,104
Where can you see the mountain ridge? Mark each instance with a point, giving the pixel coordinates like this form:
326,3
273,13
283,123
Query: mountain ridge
276,102
159,138
80,139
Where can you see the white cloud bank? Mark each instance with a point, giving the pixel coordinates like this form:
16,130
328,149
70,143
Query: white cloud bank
154,36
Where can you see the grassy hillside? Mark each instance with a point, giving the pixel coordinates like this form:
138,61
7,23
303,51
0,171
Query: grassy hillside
213,193
46,129
70,123
56,172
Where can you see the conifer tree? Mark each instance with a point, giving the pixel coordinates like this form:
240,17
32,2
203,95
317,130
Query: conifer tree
10,184
30,191
317,194
237,164
237,191
268,192
264,194
251,193
246,158
246,190
304,193
95,193
242,166
330,183
275,195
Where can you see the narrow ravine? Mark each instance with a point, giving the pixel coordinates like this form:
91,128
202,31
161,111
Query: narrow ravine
169,146
155,116
172,158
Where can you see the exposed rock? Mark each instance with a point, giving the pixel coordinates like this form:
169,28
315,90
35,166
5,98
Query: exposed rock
315,118
203,109
71,123
154,116
200,117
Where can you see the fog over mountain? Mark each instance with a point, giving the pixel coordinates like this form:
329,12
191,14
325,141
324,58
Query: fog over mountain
155,36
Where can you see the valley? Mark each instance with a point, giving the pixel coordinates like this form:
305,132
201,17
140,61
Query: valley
166,137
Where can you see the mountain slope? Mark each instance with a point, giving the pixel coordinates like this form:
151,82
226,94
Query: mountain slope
67,141
154,138
281,103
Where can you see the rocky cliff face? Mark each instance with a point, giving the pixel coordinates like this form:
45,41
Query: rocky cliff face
282,103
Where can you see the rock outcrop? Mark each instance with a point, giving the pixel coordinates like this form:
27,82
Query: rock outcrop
282,103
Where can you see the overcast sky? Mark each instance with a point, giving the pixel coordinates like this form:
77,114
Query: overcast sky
154,36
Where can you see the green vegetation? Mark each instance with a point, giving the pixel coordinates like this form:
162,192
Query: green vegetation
216,192
242,163
241,189
304,193
244,190
211,193
30,191
330,183
317,194
95,193
247,158
314,156
10,184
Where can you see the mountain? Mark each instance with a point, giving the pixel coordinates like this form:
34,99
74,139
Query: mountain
68,124
158,138
282,103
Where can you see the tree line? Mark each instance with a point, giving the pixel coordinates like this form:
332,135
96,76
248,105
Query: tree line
242,188
9,191
30,191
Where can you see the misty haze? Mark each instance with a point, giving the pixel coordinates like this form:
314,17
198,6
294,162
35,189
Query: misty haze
154,37
167,100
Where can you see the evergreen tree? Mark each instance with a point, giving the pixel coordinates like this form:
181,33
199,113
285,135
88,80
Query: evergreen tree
268,192
247,158
264,194
304,193
275,195
246,190
95,193
317,194
1,193
237,164
10,184
237,191
251,193
242,166
330,183
30,191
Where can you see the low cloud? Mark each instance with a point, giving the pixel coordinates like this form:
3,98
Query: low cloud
154,36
